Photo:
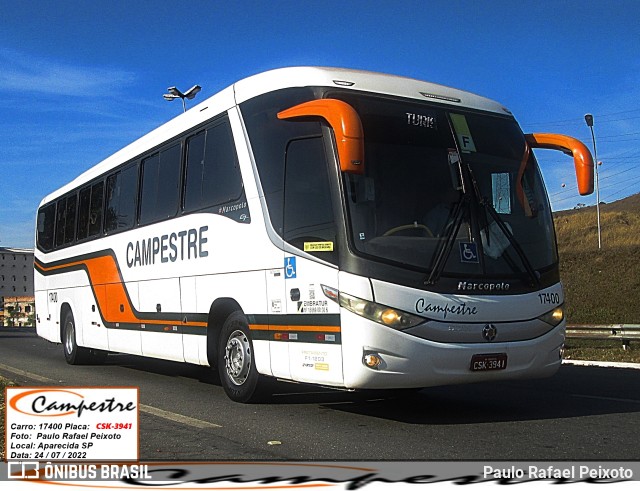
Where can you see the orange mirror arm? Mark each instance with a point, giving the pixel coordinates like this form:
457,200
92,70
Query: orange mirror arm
581,156
346,125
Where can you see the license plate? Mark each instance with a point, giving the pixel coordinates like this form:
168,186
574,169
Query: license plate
493,361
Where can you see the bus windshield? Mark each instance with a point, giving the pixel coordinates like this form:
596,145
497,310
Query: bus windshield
449,192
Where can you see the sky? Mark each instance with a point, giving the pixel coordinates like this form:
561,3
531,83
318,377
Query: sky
81,79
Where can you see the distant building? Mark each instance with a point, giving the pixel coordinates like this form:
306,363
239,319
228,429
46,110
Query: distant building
17,311
16,287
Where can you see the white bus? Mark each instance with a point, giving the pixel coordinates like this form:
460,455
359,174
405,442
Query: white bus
336,227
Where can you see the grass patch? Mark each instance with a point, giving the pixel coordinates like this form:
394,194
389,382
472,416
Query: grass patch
601,285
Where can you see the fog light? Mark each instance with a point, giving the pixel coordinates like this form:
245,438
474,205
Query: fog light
372,360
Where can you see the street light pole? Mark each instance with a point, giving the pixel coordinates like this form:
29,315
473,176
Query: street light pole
174,93
589,120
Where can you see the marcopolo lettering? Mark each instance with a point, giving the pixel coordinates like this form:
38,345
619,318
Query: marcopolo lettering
489,287
176,246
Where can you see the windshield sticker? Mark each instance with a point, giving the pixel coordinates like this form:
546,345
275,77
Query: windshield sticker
465,140
495,242
422,120
454,158
501,190
318,246
469,252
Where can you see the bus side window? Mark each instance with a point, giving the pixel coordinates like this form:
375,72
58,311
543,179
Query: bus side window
46,226
120,198
65,220
61,213
308,214
83,213
70,225
95,209
212,175
160,185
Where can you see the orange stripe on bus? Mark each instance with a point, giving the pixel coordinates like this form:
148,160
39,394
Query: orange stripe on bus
110,292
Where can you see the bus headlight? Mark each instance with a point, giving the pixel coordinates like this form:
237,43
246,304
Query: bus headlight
553,317
387,316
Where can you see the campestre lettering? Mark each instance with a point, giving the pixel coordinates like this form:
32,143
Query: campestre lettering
422,307
176,246
42,405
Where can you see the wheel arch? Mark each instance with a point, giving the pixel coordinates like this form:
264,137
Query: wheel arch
220,310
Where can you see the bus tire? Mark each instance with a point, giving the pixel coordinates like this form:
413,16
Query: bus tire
236,362
74,354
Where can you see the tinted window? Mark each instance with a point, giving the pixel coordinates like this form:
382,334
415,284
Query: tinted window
121,199
308,214
46,226
83,213
70,224
65,221
195,166
90,211
213,176
61,213
269,138
160,185
95,210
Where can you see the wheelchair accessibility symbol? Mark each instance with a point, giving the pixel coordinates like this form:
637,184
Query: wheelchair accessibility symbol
469,252
289,267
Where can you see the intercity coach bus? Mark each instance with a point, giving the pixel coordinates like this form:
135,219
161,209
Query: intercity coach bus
344,228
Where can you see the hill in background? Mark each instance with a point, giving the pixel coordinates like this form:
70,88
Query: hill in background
601,286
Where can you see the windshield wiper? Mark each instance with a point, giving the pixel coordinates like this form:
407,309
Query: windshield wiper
512,240
446,245
484,202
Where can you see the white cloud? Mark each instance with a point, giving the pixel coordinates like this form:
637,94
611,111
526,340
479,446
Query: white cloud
26,73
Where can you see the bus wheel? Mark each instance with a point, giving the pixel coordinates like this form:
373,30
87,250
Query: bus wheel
74,354
236,362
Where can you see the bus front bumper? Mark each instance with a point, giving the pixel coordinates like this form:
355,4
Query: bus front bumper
407,361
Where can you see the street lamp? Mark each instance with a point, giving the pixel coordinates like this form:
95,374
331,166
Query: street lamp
174,93
589,120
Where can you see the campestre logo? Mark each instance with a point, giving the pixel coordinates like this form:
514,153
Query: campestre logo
61,402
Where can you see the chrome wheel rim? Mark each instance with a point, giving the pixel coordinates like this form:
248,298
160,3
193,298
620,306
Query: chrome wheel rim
69,335
237,357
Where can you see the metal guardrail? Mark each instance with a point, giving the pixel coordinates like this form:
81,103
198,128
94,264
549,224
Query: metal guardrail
617,332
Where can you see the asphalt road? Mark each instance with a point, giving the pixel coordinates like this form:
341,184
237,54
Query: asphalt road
582,413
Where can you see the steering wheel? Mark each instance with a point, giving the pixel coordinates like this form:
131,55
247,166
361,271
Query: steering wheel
409,226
